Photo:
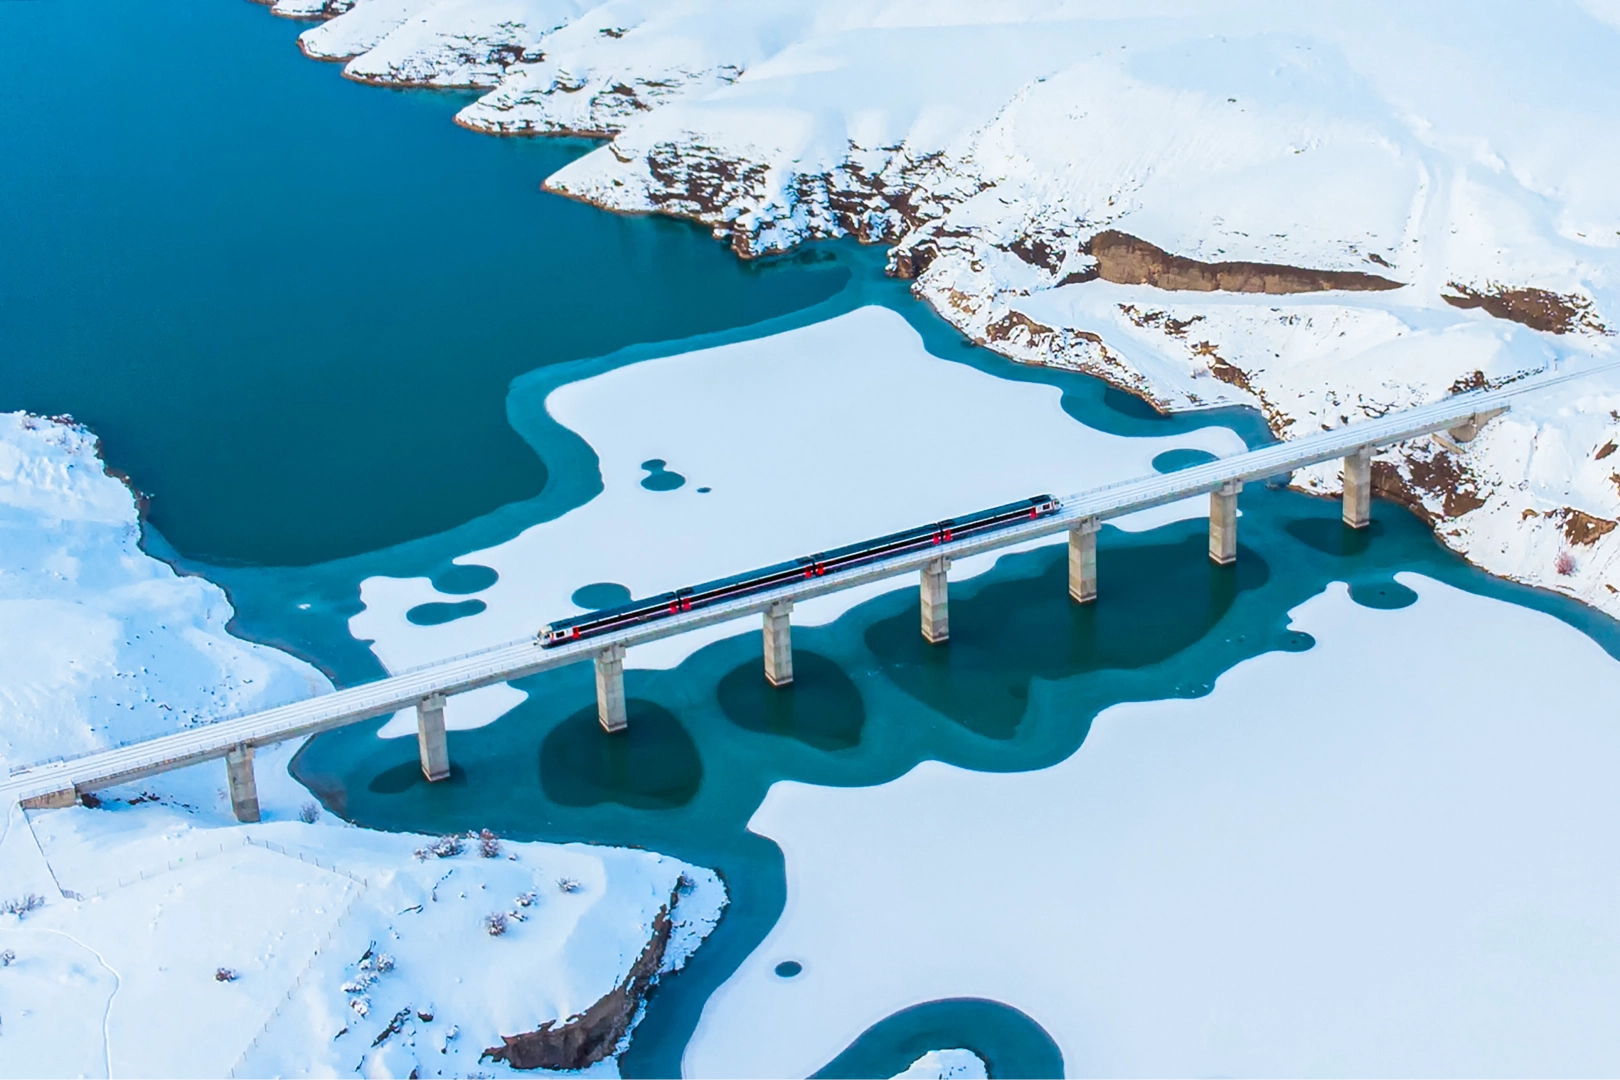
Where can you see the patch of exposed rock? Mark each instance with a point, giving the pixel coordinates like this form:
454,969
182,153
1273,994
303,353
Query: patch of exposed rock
1579,527
1539,309
1430,482
588,1037
1128,260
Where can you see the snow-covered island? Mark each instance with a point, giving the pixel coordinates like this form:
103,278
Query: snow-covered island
306,946
1324,211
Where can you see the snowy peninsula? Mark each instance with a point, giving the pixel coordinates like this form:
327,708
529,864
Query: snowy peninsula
311,947
1325,212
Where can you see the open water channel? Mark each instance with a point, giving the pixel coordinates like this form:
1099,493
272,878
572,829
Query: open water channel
316,323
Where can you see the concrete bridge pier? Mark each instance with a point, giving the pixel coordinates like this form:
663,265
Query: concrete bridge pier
779,644
1083,561
610,708
430,738
1358,488
936,611
244,789
1223,522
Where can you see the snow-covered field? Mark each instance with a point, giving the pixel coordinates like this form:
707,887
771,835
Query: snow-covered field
870,444
1387,855
146,898
1457,150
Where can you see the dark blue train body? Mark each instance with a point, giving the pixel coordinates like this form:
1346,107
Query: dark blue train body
808,566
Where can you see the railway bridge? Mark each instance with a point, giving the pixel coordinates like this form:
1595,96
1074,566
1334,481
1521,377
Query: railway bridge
1459,417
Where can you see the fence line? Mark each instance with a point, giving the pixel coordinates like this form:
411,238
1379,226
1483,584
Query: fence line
326,939
303,972
148,873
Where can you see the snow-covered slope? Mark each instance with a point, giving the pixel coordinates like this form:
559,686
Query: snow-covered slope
148,896
345,950
1012,153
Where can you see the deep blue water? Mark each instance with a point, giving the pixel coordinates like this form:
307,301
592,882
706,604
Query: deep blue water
289,304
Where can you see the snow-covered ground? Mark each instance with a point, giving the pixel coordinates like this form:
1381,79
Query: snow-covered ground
1387,855
1455,149
805,440
116,983
148,896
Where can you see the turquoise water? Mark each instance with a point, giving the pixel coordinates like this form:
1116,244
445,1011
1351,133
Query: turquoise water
317,323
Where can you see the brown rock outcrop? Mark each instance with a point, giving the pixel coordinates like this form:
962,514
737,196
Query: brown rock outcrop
588,1037
1583,528
1128,260
1539,309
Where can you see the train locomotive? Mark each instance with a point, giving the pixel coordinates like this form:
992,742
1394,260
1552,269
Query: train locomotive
809,566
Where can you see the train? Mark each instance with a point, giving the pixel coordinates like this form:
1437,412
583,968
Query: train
820,564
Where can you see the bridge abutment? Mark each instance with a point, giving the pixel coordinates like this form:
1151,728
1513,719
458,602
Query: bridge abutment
431,741
936,609
1083,561
1358,488
1468,430
54,800
779,644
1223,522
244,789
610,707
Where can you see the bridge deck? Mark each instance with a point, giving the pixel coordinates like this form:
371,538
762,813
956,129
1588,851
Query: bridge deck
521,658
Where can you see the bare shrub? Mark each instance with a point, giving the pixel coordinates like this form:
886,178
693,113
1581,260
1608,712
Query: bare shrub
7,957
567,884
527,899
1565,563
444,847
489,845
224,974
22,905
310,812
495,923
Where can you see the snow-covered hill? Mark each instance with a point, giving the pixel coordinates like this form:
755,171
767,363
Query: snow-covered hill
115,920
1415,198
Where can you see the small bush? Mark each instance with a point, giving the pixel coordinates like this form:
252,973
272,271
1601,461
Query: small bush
489,846
1565,563
310,812
527,899
567,884
444,847
495,923
22,905
7,957
224,975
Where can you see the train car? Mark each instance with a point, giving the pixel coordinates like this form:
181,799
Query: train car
770,577
615,618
